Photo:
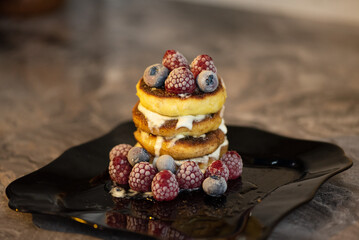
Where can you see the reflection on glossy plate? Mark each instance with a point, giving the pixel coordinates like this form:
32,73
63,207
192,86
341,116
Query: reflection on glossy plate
279,174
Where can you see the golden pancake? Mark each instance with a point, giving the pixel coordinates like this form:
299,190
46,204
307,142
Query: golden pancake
202,162
181,148
167,126
168,104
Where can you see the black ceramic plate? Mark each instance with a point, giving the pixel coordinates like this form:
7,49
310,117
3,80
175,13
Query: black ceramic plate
279,174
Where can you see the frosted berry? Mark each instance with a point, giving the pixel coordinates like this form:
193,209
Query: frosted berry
214,186
155,75
174,59
218,168
141,177
207,81
164,186
137,154
202,62
189,176
120,150
234,163
119,170
166,162
180,81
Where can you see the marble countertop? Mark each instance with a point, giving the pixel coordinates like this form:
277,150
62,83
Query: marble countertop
69,76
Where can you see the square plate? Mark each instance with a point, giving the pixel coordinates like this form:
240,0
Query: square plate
279,174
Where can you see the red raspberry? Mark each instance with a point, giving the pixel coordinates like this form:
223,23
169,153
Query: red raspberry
120,150
234,163
200,63
141,177
165,186
174,59
180,80
218,168
189,175
119,169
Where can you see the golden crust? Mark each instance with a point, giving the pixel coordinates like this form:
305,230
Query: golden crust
168,129
185,148
202,165
168,104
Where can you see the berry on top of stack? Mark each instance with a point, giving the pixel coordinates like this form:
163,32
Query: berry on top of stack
180,131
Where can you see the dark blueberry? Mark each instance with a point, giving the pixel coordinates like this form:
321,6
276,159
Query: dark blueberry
155,75
137,154
207,81
166,162
214,186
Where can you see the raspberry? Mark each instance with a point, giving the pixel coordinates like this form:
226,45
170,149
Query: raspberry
189,175
141,177
180,80
165,186
119,170
120,150
217,168
234,163
174,59
200,63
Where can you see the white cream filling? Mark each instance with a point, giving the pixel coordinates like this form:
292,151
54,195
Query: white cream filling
221,113
184,95
158,145
156,120
204,159
223,127
175,139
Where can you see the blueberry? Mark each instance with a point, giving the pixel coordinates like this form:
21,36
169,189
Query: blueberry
155,75
137,154
207,81
214,186
166,162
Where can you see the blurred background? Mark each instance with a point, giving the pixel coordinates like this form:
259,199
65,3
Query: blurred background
68,70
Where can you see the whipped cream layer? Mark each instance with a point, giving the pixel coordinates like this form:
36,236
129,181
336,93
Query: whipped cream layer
156,120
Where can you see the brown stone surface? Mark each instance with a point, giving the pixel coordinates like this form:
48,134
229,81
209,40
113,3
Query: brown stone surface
70,76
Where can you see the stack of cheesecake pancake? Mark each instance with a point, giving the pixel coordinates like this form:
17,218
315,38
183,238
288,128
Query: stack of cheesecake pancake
180,114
